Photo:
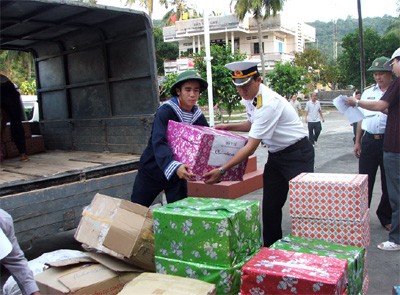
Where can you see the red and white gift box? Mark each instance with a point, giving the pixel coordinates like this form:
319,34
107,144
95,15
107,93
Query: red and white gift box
273,271
206,148
331,207
346,232
329,196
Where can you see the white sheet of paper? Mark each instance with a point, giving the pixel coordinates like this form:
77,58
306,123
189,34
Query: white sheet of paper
353,114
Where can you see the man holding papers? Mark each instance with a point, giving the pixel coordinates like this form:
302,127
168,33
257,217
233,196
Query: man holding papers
390,103
369,139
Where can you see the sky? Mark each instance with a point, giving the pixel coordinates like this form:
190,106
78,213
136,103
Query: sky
304,10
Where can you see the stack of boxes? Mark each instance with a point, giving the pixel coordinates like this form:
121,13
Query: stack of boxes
333,208
34,143
207,239
330,207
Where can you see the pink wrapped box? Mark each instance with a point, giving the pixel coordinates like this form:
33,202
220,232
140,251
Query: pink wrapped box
356,233
273,271
329,196
206,148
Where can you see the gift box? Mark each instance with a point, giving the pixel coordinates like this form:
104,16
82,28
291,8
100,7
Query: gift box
355,233
273,271
226,279
355,256
205,148
210,231
329,196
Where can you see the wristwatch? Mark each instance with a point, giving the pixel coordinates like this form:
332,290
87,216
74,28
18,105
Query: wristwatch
222,171
356,103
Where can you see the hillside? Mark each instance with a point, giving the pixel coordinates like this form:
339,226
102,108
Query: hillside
325,31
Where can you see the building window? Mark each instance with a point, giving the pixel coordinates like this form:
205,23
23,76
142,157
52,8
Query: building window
256,48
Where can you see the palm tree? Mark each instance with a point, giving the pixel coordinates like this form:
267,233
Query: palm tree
145,3
261,9
179,8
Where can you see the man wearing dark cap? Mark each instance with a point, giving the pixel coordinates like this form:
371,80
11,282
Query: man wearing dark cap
273,121
368,146
158,170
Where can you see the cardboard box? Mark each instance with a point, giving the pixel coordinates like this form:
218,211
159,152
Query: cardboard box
206,148
209,231
333,196
355,256
356,233
119,228
101,274
273,271
155,283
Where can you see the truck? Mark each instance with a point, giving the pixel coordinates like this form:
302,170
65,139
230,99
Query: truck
97,92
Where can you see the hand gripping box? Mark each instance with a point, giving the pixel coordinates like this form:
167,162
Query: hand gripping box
206,148
355,256
119,228
274,271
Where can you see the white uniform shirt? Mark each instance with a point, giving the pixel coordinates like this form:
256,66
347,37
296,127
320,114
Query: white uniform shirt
276,123
313,111
374,122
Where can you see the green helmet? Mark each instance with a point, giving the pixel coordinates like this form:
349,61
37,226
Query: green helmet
186,76
377,65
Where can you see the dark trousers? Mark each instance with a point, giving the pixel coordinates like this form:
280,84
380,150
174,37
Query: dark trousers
314,130
12,106
371,158
146,189
279,169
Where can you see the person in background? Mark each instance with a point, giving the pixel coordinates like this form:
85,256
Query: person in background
11,106
13,258
271,120
313,117
389,102
368,146
295,104
158,170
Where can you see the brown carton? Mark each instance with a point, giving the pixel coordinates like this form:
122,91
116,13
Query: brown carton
119,228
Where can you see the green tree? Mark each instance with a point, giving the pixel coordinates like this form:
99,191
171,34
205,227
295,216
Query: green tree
313,61
349,60
225,95
287,79
166,85
261,9
178,10
164,51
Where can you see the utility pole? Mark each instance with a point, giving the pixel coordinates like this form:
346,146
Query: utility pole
361,38
335,38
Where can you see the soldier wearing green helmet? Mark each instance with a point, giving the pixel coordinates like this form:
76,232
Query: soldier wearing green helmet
368,147
158,170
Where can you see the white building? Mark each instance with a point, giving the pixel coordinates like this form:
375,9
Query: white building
282,38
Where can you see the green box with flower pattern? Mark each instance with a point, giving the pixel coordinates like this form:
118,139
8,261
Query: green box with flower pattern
209,231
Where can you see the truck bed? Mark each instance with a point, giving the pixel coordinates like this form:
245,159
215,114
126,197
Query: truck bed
46,195
60,167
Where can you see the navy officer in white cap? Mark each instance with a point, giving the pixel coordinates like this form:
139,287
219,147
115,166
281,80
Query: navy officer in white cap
274,122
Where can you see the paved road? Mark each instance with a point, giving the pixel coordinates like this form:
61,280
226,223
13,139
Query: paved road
334,154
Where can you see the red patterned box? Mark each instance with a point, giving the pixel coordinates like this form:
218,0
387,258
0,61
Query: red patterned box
206,148
273,271
329,196
356,233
